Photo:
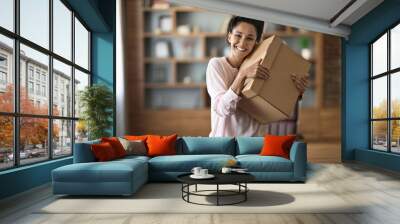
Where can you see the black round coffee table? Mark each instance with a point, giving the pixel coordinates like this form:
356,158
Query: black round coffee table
238,179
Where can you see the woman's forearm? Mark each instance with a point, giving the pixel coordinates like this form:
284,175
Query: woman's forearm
238,84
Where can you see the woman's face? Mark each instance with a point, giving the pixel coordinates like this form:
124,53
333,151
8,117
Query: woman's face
242,39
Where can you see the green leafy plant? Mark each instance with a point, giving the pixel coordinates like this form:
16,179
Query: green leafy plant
304,42
96,102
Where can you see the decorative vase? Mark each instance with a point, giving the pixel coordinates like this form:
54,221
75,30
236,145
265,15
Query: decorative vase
306,53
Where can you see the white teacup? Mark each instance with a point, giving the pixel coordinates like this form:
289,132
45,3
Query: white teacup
196,171
203,172
226,170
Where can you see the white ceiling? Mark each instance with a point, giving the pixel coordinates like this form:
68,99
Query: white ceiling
314,15
321,9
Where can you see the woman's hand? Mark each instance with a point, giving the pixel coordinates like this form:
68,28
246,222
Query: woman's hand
255,71
301,82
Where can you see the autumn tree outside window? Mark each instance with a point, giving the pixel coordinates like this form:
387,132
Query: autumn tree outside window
44,64
385,91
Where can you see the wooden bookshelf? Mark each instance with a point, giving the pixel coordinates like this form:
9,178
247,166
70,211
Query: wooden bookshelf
174,85
177,60
189,35
172,9
183,72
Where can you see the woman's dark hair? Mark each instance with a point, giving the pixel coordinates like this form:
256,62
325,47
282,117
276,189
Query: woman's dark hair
235,20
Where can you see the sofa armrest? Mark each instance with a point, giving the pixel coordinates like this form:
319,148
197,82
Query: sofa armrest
83,152
298,155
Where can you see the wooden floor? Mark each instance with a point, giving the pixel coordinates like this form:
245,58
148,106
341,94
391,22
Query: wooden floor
379,189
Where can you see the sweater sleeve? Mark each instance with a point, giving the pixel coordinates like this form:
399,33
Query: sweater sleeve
223,100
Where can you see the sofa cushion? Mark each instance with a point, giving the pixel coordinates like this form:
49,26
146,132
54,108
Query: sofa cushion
111,171
257,163
185,163
136,137
275,145
103,152
161,145
134,147
249,145
133,158
206,145
116,145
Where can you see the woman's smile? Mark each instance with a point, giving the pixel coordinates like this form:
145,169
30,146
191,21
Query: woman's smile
241,49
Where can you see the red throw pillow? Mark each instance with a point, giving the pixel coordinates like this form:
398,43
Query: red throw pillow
116,145
277,145
161,145
103,152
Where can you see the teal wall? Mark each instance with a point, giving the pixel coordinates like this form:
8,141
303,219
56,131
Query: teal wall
355,95
102,58
99,16
24,178
103,50
103,63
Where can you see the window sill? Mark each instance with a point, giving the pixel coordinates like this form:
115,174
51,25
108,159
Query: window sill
26,167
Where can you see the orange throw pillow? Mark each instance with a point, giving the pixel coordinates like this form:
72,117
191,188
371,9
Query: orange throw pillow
277,145
103,152
116,145
161,145
136,137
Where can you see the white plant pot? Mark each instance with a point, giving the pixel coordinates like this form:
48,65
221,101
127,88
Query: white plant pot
306,53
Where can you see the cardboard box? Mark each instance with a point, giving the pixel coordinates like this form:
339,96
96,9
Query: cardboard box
273,99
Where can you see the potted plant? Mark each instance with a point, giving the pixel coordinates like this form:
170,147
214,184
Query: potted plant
306,52
96,102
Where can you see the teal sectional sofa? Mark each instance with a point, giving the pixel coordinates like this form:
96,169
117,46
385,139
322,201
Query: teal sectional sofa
125,176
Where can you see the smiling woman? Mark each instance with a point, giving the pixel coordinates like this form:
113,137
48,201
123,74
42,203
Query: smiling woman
225,82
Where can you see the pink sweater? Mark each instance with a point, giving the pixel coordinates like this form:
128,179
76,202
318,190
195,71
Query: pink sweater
226,118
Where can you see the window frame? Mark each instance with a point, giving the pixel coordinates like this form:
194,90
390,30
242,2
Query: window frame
3,77
388,74
16,114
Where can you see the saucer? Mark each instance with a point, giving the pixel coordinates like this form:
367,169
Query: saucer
208,176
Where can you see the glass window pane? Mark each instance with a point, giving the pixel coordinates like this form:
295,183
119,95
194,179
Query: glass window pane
6,74
6,142
81,131
379,55
395,136
33,140
395,95
379,135
7,14
34,97
62,29
81,81
62,89
62,138
395,47
81,45
379,97
35,21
